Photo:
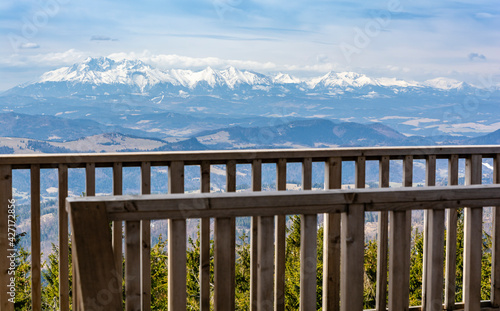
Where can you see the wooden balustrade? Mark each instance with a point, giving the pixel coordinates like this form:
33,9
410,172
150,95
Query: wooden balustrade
393,240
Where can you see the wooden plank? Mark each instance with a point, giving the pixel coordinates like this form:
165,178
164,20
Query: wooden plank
435,260
36,286
280,242
430,180
243,156
308,261
90,179
205,242
331,241
352,249
473,221
176,244
382,240
400,241
5,247
495,246
308,247
254,237
133,266
307,174
63,240
231,187
145,232
360,174
290,202
100,284
223,282
265,270
451,240
117,230
398,256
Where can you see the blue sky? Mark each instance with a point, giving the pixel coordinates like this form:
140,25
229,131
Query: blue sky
395,38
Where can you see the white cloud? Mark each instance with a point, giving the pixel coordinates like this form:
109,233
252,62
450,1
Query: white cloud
29,45
44,60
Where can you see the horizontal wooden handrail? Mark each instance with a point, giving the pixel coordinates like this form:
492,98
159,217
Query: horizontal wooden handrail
182,206
242,156
90,220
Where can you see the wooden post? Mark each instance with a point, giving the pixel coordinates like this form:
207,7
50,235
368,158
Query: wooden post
117,230
100,284
205,242
223,283
432,286
63,240
5,202
280,240
495,245
331,241
352,249
451,240
382,240
176,244
231,187
254,238
473,225
265,269
308,247
145,238
36,286
400,240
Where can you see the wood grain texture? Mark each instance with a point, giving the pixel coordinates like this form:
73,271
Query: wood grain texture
223,281
352,249
473,221
36,286
176,244
382,240
145,239
254,236
280,242
495,246
308,258
5,202
117,226
100,285
133,266
331,241
265,266
231,187
63,239
451,240
205,243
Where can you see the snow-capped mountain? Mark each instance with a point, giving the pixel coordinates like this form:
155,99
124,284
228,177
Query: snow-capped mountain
104,76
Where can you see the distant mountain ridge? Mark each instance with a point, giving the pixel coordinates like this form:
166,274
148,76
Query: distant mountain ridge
108,76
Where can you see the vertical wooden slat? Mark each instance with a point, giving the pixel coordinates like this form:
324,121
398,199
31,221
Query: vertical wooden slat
90,179
382,240
400,240
254,237
451,240
5,202
176,244
231,187
352,258
63,240
473,221
280,242
205,242
430,180
360,175
146,242
100,285
265,267
432,286
36,286
117,230
223,283
308,247
132,265
495,246
331,241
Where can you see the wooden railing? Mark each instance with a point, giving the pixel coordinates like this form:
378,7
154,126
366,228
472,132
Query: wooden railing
137,274
99,287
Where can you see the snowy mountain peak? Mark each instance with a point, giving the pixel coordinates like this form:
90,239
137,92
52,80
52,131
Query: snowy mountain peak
284,78
444,83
